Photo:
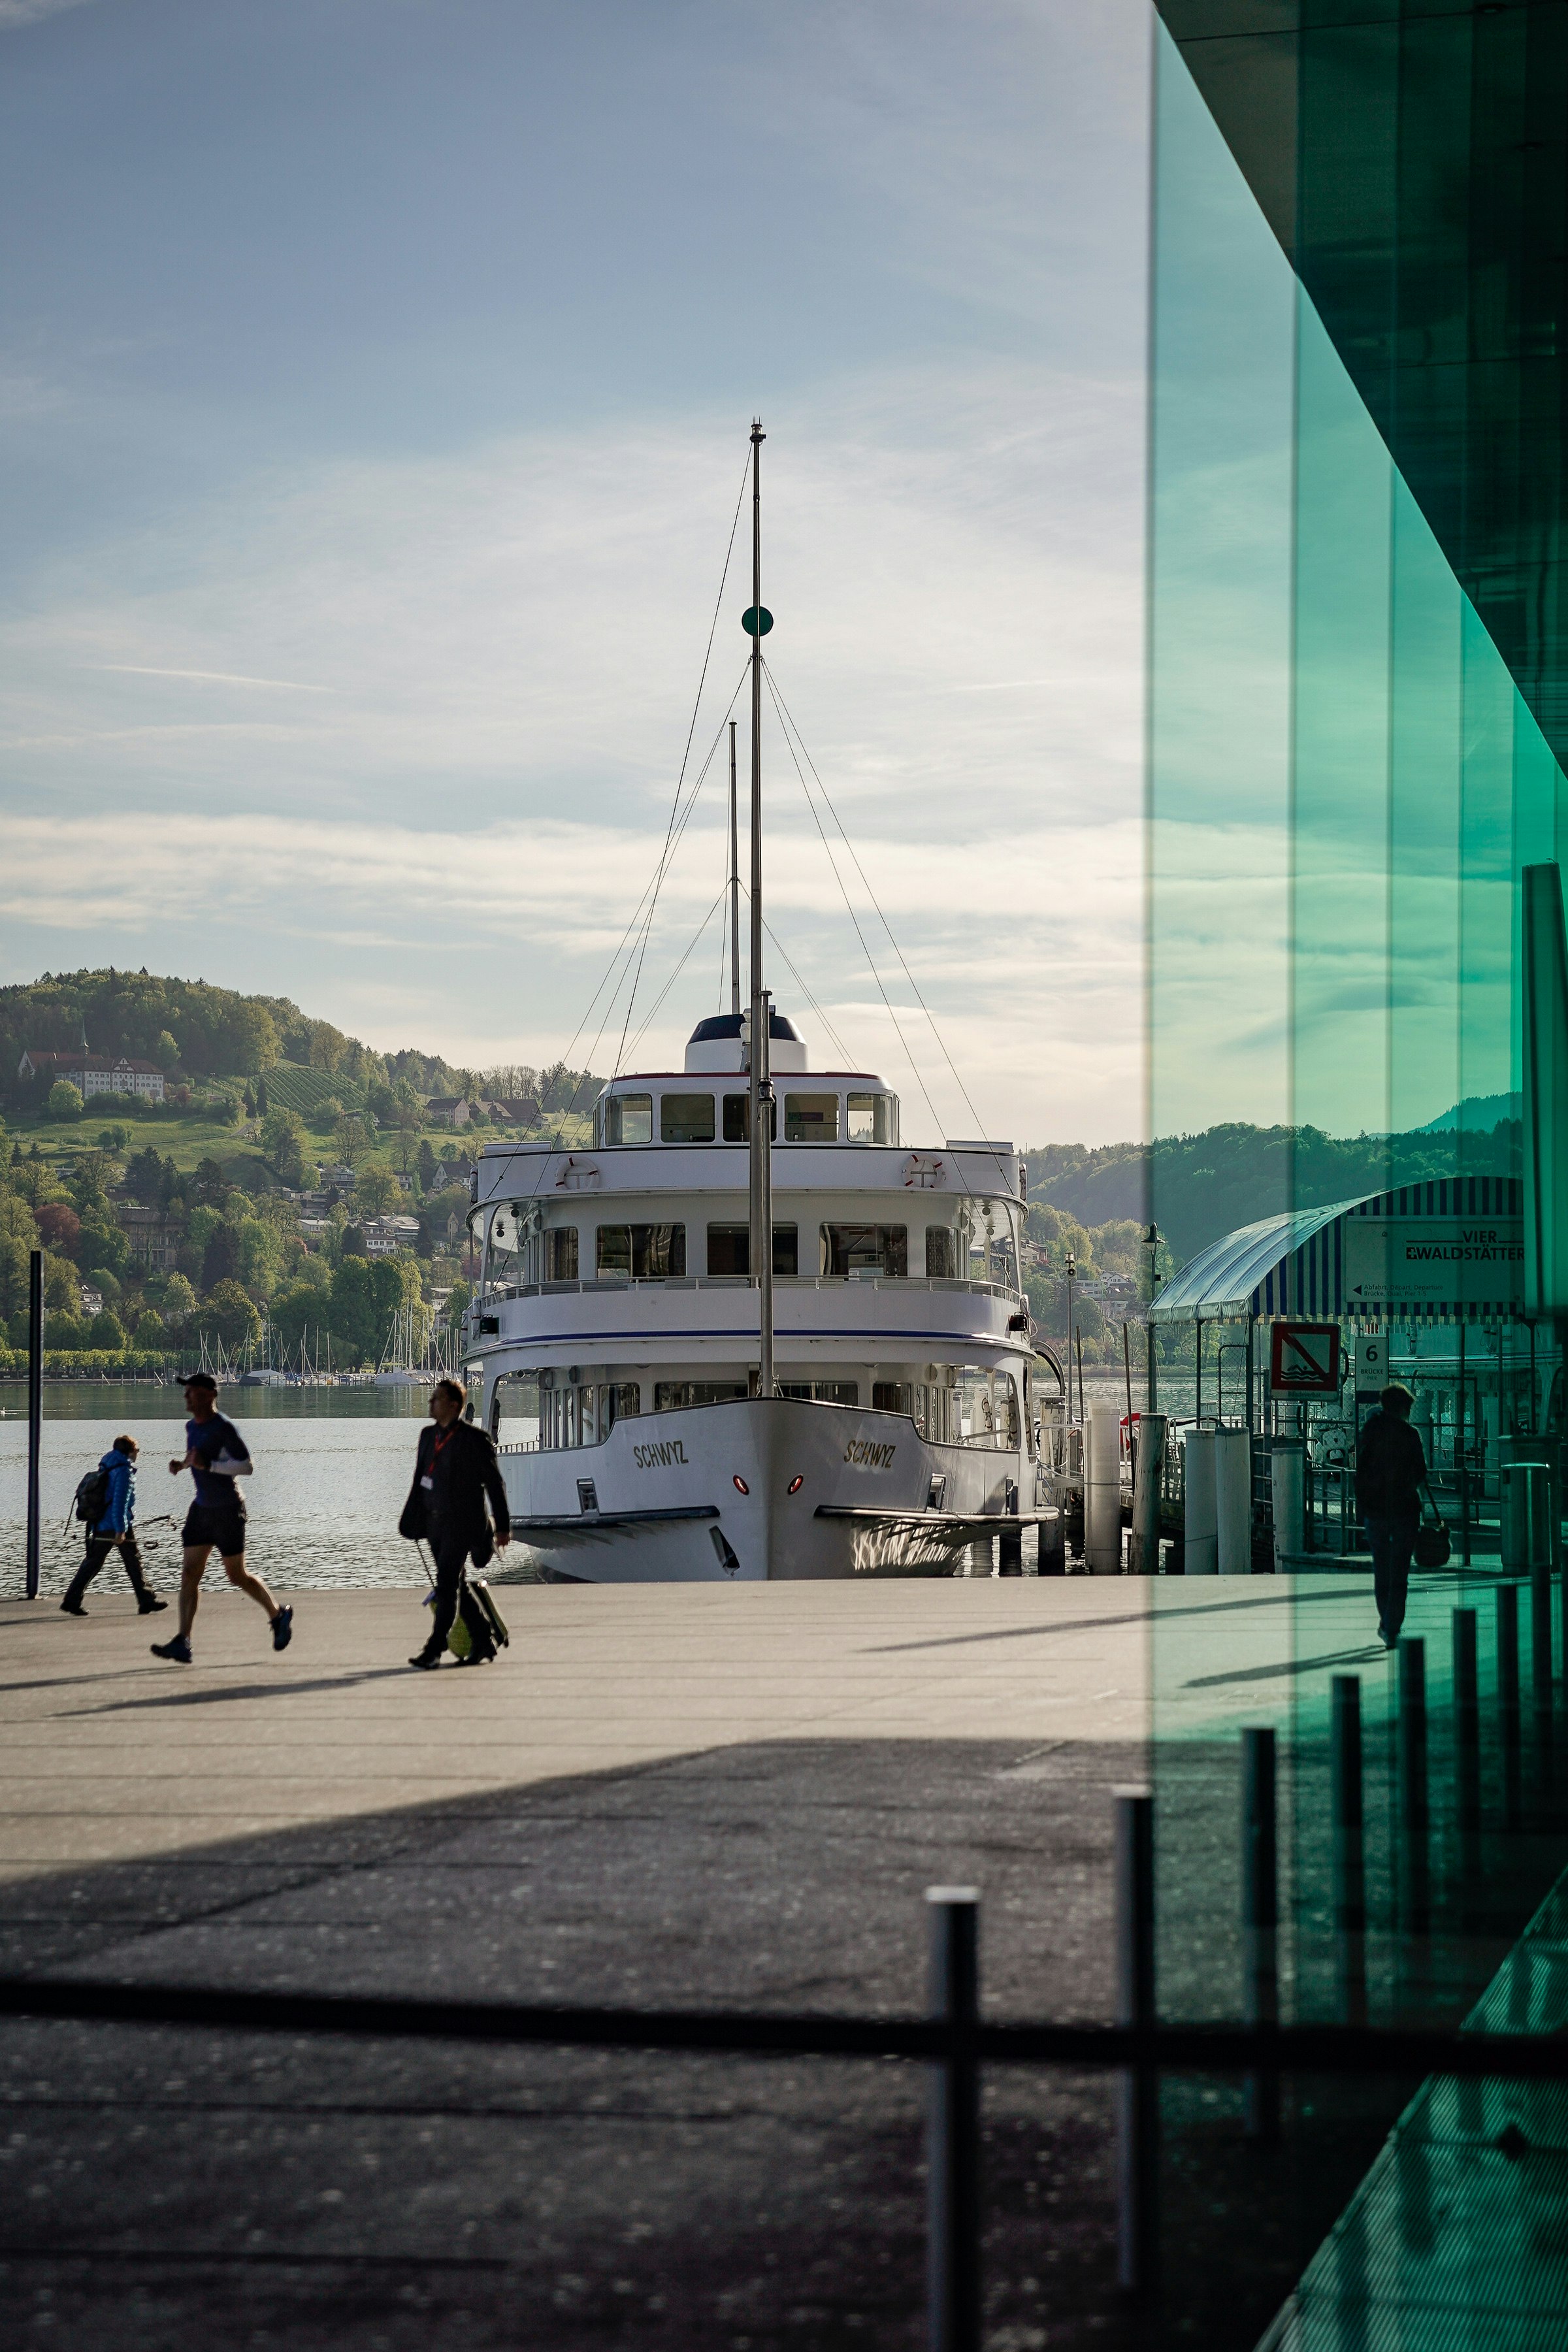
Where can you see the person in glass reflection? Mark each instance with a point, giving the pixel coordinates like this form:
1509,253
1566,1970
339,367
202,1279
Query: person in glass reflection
455,1470
1390,1472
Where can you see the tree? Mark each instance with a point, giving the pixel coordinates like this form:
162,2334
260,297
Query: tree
60,1228
227,1315
426,1165
151,1330
63,1100
220,1259
105,1330
262,1105
283,1139
179,1301
348,1135
374,1190
149,1179
211,1185
260,1255
166,1053
102,1249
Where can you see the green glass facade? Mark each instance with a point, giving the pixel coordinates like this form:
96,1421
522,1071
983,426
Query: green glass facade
1358,713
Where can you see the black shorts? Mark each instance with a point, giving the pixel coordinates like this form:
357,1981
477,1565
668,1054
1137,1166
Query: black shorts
222,1524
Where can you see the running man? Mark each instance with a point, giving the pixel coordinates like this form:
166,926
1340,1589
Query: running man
215,1455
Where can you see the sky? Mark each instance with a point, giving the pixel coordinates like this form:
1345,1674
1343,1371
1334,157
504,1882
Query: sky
375,384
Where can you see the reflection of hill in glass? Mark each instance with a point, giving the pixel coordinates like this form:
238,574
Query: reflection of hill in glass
1477,1114
1205,1185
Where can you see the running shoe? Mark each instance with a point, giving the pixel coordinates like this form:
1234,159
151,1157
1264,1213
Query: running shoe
148,1602
178,1650
72,1608
282,1628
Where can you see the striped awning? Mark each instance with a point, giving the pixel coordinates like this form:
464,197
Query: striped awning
1307,1262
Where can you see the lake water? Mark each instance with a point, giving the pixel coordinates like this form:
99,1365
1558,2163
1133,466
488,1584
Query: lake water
332,1469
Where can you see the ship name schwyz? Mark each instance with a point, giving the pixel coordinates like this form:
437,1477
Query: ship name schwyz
867,1456
659,1457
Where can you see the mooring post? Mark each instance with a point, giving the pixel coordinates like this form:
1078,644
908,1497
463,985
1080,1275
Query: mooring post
1260,1918
35,1416
1349,1807
1508,1724
1466,1745
1137,2089
953,2129
1415,1809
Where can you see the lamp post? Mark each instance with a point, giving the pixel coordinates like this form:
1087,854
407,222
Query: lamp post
1152,1243
1072,1269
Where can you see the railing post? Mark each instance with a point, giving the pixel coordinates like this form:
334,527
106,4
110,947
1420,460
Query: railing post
1138,2088
1415,1809
1349,1809
1466,1745
35,1416
953,2129
1508,1724
1260,1918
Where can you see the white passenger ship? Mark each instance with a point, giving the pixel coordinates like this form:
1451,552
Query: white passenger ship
851,1396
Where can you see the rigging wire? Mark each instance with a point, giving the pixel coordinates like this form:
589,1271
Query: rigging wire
898,950
690,732
692,947
849,908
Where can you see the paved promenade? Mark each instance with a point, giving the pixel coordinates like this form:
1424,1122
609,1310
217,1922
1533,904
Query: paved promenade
656,1796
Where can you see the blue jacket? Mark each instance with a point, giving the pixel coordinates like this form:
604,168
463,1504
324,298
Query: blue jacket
121,1514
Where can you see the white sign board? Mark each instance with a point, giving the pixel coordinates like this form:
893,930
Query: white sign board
1370,1357
1431,1261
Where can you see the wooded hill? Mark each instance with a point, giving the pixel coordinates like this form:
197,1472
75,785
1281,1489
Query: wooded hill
1205,1185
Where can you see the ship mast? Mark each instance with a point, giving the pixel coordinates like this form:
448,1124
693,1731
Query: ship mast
734,886
761,1093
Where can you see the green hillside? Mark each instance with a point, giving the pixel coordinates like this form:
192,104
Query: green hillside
292,1088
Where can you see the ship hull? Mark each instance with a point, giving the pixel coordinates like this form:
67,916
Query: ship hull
756,1490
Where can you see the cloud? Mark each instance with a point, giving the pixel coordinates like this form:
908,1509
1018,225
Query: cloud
15,14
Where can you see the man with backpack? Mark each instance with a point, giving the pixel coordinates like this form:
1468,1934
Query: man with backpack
106,1504
455,1469
217,1455
1390,1472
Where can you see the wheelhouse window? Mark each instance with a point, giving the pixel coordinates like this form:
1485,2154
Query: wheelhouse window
871,1119
822,1392
942,1253
846,1251
561,1254
674,1396
737,1115
686,1118
892,1396
810,1118
646,1253
627,1118
730,1249
618,1400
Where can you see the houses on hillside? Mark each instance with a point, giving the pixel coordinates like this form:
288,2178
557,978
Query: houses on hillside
93,1074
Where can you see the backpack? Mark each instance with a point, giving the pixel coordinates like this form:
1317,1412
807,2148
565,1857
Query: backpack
92,1496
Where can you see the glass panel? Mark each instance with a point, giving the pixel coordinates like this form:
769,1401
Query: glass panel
730,1249
942,1253
821,1392
561,1254
867,1119
674,1396
647,1253
849,1250
810,1118
628,1119
686,1118
735,1113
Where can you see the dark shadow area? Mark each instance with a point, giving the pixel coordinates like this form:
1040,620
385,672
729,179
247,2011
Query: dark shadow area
202,1696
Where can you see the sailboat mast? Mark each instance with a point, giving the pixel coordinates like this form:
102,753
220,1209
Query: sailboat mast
734,885
760,1235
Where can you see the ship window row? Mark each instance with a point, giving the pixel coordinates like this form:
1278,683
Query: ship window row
970,1406
703,1118
655,1252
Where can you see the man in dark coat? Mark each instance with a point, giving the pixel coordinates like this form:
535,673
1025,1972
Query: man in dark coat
1390,1471
455,1470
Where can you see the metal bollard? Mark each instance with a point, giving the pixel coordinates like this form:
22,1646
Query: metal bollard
1051,1545
1508,1724
1259,1918
1349,1809
953,2127
1466,1745
1138,2088
1010,1550
1415,1809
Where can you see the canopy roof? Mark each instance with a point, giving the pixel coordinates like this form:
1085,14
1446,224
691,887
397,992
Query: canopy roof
1224,1279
